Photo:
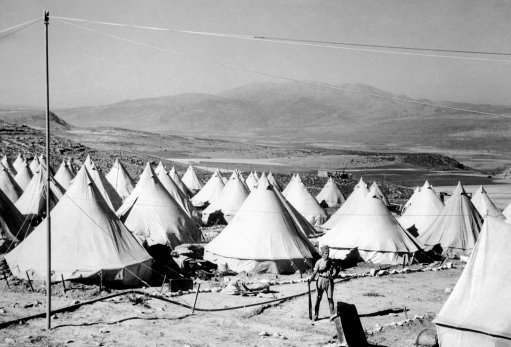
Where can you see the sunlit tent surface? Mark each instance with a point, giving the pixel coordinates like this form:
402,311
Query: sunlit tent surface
33,199
484,205
478,311
23,176
87,238
64,175
18,162
112,198
375,190
120,179
153,216
211,190
13,225
230,200
251,181
330,194
262,237
191,180
177,180
6,162
305,203
295,178
173,190
457,227
507,212
374,231
35,164
358,194
422,209
8,185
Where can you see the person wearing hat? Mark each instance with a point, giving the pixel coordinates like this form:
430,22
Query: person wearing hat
326,270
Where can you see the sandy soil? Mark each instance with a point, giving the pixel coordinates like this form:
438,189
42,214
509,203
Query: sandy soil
120,322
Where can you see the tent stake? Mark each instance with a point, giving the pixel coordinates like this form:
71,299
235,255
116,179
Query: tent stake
163,283
29,281
63,282
196,296
7,281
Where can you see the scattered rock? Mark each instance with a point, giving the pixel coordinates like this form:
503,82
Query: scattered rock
9,341
448,290
264,333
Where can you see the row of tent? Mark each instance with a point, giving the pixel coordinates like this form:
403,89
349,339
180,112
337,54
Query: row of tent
158,211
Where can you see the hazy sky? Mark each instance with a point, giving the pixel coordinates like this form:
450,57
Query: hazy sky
89,69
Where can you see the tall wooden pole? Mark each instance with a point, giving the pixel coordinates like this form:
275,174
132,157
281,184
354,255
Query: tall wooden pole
48,221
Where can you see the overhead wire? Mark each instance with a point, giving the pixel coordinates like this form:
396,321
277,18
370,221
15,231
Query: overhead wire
280,77
18,27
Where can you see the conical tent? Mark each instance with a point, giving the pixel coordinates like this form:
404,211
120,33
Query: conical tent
108,192
507,212
374,232
210,192
177,180
262,237
34,164
24,176
191,181
120,179
410,201
230,200
422,211
33,199
358,194
89,164
70,166
376,191
330,194
477,312
8,185
295,179
484,204
64,175
153,216
8,165
457,227
251,181
305,203
273,181
174,191
13,226
18,162
87,239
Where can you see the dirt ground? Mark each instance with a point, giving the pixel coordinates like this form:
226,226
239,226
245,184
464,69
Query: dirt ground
121,322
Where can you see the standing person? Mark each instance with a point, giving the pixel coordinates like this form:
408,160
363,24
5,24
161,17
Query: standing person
326,269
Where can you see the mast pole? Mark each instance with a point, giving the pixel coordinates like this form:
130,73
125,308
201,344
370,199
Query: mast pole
48,221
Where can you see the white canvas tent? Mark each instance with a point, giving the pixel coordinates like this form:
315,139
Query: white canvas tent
179,183
421,210
174,191
273,181
330,194
6,162
295,178
359,192
89,164
153,216
34,164
251,181
108,192
120,179
191,181
210,192
18,162
87,239
64,175
507,212
262,237
457,227
230,200
305,203
13,225
374,232
376,191
484,205
23,176
478,311
33,200
8,185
